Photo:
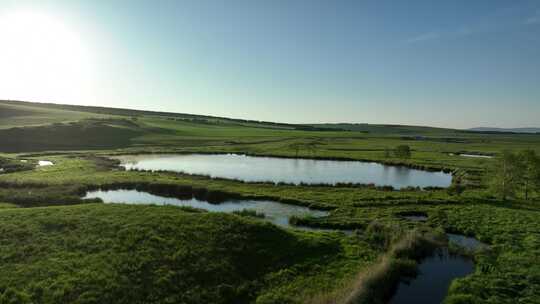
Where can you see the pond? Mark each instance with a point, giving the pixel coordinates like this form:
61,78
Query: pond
44,163
435,273
415,218
471,155
288,170
466,242
275,212
476,155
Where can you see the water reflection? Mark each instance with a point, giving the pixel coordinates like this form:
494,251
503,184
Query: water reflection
275,212
415,218
435,274
295,171
466,242
44,163
476,155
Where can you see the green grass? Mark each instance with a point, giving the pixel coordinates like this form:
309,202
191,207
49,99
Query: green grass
87,134
512,228
510,271
7,206
19,115
11,164
70,174
72,254
126,254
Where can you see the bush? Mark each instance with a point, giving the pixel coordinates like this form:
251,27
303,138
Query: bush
249,213
12,296
403,151
461,299
273,298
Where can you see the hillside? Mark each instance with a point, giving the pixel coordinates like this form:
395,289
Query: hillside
507,130
387,129
30,113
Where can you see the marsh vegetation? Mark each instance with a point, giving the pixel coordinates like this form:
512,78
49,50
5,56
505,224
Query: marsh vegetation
60,248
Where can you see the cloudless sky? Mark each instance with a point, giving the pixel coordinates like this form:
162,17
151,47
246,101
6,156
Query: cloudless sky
457,63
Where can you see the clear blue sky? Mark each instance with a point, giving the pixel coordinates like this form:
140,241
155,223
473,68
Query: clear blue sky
457,63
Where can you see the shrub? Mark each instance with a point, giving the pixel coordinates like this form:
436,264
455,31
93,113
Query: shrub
403,151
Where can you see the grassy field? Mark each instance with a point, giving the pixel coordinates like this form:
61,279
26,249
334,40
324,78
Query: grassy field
126,254
93,253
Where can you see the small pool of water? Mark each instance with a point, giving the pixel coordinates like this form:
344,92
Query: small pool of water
415,218
434,277
275,212
476,155
471,155
466,242
44,163
288,170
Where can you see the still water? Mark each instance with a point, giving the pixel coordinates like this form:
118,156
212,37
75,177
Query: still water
435,275
287,170
275,212
476,155
466,242
44,163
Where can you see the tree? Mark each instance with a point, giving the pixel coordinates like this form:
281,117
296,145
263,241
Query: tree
530,177
311,147
403,151
296,147
456,188
506,175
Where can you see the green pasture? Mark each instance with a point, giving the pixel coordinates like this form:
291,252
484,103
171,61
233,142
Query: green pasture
57,248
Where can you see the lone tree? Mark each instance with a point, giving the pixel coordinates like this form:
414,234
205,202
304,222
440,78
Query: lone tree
387,153
530,171
403,151
506,175
296,148
311,147
456,188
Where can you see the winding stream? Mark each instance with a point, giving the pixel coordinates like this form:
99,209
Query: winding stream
275,212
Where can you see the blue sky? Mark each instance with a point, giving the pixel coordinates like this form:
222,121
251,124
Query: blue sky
442,63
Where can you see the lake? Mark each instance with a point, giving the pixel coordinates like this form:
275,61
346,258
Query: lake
287,170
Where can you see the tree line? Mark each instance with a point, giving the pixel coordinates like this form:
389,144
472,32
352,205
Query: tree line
516,173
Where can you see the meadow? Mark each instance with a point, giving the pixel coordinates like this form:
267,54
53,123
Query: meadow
56,247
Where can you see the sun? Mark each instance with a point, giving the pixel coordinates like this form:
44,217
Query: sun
42,59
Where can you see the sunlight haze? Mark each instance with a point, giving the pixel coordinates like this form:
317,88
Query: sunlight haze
294,61
269,151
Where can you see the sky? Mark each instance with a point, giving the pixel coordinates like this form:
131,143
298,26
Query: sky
457,64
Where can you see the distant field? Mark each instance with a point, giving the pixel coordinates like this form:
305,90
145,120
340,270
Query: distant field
19,115
183,131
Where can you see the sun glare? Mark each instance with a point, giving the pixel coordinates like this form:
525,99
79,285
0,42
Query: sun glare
42,59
